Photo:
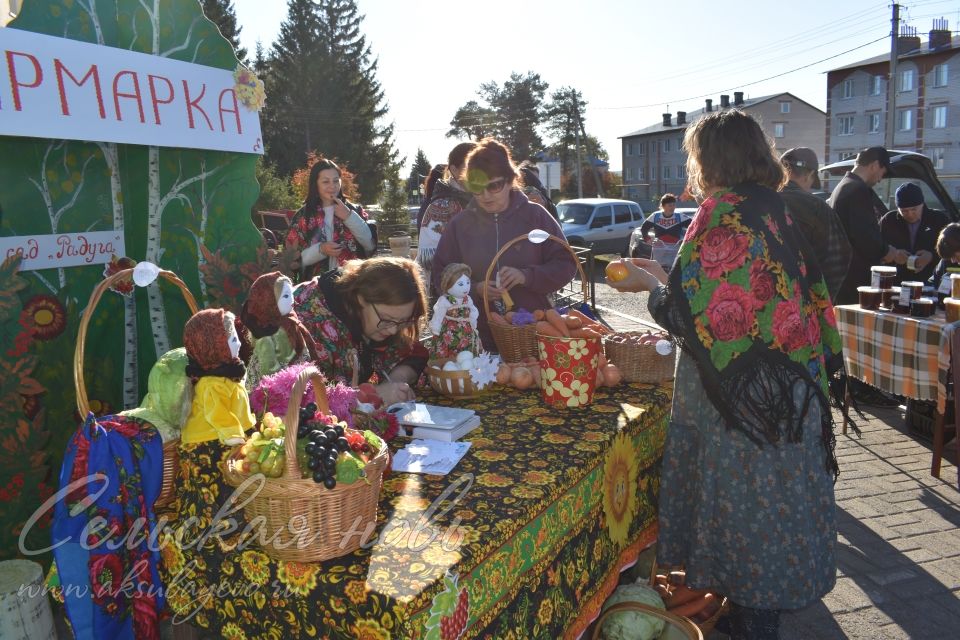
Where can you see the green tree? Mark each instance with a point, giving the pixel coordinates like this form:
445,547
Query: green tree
222,14
513,114
276,192
418,172
393,204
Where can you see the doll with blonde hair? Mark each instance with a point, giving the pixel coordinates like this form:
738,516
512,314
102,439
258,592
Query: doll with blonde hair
454,321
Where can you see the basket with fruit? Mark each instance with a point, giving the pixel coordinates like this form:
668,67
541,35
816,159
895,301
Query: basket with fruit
700,606
464,376
320,479
642,356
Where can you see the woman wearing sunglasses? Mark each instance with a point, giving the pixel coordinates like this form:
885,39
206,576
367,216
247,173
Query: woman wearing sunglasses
498,213
366,315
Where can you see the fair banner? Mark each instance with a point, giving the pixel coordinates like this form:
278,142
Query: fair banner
65,89
63,249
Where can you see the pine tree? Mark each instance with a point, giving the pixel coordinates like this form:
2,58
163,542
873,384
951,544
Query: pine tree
418,173
395,216
222,13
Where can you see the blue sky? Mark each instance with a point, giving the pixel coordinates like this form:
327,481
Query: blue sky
631,59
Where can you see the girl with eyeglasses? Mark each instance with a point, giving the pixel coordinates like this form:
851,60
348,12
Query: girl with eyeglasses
498,213
365,316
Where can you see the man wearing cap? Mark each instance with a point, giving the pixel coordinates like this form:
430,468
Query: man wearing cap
816,220
914,228
859,210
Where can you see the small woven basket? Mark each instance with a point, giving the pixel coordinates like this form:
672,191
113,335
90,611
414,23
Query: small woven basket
677,628
456,384
303,521
171,456
639,362
517,343
707,625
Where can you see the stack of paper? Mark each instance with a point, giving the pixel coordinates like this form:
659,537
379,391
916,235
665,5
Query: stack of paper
429,456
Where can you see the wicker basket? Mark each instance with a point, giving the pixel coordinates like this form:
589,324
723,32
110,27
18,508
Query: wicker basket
707,625
517,343
677,628
303,521
456,384
171,457
639,362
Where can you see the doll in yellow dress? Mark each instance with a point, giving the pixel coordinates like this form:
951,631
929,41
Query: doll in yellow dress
218,419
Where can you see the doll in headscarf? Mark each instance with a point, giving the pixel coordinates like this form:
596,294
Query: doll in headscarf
454,321
280,337
219,416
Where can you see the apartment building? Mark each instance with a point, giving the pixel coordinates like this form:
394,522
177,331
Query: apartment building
926,111
654,161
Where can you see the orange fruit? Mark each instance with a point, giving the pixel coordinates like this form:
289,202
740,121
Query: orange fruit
616,271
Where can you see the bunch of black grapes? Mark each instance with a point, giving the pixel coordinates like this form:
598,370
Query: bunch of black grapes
323,446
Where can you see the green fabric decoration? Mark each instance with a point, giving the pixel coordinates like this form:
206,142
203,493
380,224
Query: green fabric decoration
163,404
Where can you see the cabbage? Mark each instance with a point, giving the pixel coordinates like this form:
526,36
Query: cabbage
633,625
163,404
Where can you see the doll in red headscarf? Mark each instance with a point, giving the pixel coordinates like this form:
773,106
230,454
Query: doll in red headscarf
280,337
219,416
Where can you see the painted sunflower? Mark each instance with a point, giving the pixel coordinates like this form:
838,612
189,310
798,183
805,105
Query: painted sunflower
48,316
620,476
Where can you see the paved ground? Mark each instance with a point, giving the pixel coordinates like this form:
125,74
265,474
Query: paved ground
898,573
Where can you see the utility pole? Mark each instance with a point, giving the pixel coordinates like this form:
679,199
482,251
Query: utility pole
892,79
576,114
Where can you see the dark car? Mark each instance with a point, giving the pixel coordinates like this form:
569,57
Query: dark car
905,166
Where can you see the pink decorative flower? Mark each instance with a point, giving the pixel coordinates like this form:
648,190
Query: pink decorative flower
731,198
106,571
701,218
763,284
730,312
722,251
813,329
788,325
829,316
772,225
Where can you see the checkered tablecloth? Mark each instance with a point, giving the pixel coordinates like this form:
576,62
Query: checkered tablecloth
899,354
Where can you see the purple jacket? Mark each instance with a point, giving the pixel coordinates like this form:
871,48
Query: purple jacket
475,236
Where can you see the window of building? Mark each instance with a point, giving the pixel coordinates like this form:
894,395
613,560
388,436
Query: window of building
653,146
876,85
641,174
848,88
906,80
874,120
681,171
938,157
641,148
845,126
653,173
778,129
785,106
941,75
629,148
940,116
905,119
666,172
680,144
666,145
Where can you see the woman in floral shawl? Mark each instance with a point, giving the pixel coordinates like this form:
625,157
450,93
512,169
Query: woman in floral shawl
328,230
747,502
365,321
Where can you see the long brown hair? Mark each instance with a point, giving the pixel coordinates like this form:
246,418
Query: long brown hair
385,280
728,148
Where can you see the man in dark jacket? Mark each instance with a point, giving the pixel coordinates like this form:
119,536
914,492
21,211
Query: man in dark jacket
816,220
914,228
859,210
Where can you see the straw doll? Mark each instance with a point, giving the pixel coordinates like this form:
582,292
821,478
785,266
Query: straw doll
219,416
454,321
280,337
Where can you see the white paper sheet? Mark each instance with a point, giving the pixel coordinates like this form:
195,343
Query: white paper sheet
429,456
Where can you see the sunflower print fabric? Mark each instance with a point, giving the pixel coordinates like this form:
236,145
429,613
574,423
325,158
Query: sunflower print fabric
525,538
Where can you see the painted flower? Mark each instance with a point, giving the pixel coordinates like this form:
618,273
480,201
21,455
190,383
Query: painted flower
550,382
298,577
557,438
232,631
255,566
436,555
545,612
123,286
577,349
170,555
490,456
106,572
538,477
47,315
356,590
722,251
407,503
788,326
731,312
493,480
369,630
526,493
579,393
620,474
763,284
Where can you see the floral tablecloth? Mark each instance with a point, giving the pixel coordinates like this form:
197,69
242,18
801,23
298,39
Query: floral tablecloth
537,521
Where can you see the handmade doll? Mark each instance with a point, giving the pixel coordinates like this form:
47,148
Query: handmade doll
280,337
454,321
219,416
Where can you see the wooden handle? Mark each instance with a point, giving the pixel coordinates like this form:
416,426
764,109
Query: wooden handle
691,630
563,243
292,419
83,405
